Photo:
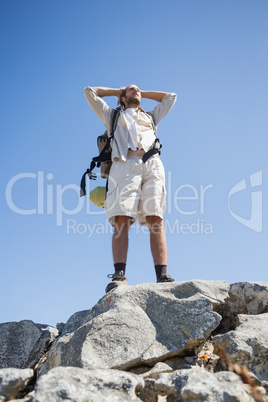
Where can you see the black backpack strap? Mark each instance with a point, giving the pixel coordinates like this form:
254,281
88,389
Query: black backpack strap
156,149
103,156
114,119
91,175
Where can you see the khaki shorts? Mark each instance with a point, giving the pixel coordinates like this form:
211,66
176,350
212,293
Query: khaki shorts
136,189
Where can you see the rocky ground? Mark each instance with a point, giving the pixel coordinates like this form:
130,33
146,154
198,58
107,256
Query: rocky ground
180,341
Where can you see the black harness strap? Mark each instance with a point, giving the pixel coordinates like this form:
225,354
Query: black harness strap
156,149
153,151
114,120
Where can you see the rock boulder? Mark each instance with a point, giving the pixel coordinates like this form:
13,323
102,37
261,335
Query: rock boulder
247,345
144,324
76,385
23,343
12,381
244,298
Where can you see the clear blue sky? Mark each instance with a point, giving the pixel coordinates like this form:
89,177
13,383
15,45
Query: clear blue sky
56,249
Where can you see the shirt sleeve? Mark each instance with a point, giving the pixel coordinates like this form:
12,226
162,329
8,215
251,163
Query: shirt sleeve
98,105
163,107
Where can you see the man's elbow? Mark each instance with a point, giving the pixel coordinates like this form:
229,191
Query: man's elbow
169,95
86,89
90,92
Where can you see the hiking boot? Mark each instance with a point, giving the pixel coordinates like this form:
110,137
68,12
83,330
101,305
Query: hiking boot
165,278
117,279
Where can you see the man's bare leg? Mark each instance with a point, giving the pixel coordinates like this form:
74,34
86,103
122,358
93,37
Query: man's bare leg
120,249
158,248
157,240
120,239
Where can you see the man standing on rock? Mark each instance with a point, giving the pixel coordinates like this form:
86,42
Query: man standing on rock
136,185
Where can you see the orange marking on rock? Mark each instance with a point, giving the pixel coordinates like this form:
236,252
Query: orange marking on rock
204,357
220,352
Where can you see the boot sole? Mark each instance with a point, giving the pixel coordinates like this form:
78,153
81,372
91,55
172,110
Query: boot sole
113,285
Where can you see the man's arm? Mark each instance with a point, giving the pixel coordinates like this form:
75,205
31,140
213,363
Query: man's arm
163,107
155,95
98,105
103,91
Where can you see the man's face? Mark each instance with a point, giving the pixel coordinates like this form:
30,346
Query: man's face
133,95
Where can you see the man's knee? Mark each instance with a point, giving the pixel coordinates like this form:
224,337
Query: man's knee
155,224
154,219
122,221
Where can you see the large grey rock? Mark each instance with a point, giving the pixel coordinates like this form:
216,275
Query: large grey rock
247,345
23,343
76,385
12,381
197,384
138,325
244,298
